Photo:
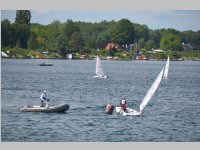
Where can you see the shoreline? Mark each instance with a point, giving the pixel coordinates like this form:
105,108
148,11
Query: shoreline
180,59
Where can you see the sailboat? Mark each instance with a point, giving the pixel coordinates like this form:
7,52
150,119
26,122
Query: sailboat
99,70
166,69
147,98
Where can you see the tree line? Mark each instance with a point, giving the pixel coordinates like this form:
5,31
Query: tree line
85,37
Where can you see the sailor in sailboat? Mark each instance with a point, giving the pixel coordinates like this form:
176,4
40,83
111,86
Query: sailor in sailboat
123,104
145,101
43,99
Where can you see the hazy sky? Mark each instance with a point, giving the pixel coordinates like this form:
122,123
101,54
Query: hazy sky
181,20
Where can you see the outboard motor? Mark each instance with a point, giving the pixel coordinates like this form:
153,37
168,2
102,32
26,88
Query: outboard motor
109,108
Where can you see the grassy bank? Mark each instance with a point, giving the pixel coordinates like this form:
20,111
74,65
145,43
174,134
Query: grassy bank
119,55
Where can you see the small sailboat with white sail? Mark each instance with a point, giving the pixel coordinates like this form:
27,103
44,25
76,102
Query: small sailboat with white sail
166,69
99,69
147,98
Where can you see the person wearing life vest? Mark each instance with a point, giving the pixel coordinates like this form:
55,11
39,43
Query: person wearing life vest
109,108
123,104
43,99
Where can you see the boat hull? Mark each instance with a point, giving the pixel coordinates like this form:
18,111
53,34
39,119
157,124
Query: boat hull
101,77
130,112
46,64
50,109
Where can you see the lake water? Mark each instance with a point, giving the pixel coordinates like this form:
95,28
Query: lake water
173,114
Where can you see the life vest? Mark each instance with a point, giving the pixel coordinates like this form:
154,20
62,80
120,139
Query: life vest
123,106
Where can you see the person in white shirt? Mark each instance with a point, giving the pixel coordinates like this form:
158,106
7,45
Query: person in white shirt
43,98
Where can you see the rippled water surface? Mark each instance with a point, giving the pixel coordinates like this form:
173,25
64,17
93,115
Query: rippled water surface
173,114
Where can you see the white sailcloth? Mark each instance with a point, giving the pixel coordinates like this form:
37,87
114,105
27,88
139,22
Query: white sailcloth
151,91
166,69
99,69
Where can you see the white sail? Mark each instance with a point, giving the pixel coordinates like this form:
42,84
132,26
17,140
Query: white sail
151,91
166,69
99,69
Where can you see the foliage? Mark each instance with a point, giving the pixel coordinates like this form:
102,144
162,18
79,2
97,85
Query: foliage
149,45
23,17
171,42
22,21
141,31
62,45
123,32
6,33
84,38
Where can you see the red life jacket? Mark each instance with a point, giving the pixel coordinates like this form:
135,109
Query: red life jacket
123,106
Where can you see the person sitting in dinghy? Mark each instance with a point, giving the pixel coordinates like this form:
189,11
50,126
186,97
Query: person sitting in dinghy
123,104
43,98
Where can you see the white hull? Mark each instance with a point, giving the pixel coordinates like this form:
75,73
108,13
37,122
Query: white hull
130,112
102,77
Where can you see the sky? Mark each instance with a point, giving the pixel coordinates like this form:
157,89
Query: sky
181,20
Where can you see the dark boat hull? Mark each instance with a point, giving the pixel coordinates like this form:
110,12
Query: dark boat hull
46,64
50,109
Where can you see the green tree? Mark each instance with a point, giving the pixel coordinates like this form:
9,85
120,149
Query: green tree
6,33
141,31
52,33
192,37
62,45
41,43
15,35
123,32
23,17
75,42
73,35
69,28
103,38
24,33
32,42
171,42
55,24
22,21
9,34
155,36
141,43
149,45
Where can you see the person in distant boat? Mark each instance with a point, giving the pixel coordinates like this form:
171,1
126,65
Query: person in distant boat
43,98
123,104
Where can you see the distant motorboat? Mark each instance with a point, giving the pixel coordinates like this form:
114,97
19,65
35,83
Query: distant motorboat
46,64
99,70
